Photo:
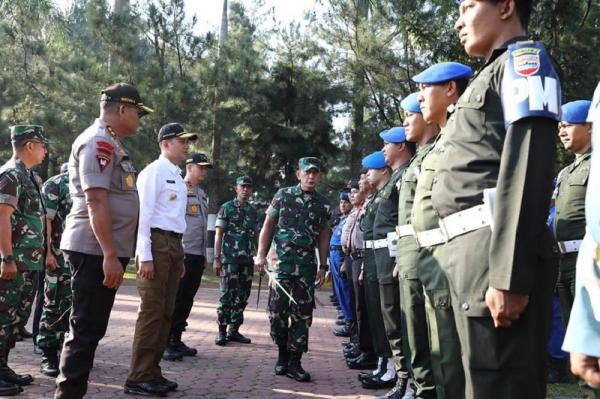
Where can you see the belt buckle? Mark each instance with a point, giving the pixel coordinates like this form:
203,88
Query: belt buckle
417,239
445,235
561,247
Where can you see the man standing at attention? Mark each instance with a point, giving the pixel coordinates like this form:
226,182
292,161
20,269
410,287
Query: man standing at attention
194,248
159,259
298,222
99,234
501,269
235,244
54,320
21,240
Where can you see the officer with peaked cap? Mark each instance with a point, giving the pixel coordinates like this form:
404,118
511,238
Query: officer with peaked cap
100,230
575,133
397,153
412,297
440,87
501,269
22,240
378,174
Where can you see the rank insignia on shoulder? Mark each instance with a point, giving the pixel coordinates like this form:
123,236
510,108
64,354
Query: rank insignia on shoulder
103,161
530,85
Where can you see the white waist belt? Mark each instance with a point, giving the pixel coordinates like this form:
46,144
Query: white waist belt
376,244
567,247
465,221
405,230
429,238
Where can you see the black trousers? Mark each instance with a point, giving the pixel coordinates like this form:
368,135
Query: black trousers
92,303
188,286
365,338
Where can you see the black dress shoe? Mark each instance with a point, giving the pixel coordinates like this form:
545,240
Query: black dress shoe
397,391
340,322
49,366
145,388
235,336
172,354
171,385
221,339
352,354
362,362
184,349
345,331
378,383
8,389
365,375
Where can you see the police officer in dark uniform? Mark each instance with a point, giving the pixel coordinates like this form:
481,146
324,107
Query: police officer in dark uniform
500,258
569,223
100,231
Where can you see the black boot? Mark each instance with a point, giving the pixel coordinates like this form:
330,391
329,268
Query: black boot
49,364
8,375
221,339
282,361
8,389
171,353
295,370
176,342
234,336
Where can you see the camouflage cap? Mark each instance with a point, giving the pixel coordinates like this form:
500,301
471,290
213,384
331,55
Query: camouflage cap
21,133
244,181
307,163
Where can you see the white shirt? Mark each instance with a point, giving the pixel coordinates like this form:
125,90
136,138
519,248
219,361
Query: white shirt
162,193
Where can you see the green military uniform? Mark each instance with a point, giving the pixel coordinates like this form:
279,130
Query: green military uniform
240,225
569,224
385,221
415,333
300,216
485,149
444,342
54,322
381,345
19,189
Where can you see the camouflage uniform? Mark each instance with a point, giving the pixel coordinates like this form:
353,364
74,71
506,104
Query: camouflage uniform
19,189
57,302
300,216
240,225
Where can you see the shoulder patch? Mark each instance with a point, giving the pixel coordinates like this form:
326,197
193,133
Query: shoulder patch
530,85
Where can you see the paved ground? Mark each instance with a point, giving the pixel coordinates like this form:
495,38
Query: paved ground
233,371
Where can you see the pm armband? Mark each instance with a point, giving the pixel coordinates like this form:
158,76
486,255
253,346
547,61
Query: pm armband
530,85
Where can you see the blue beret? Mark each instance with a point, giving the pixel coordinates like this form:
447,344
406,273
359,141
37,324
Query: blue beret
411,103
375,160
575,111
344,196
444,72
394,135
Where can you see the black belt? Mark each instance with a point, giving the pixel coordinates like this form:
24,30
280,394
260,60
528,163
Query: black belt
356,254
170,233
335,247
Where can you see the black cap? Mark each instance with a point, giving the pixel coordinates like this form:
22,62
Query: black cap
352,183
174,129
198,159
126,94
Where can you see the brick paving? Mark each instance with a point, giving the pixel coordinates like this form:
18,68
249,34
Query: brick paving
233,371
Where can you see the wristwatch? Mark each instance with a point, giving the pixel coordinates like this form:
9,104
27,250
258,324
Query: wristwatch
8,259
324,266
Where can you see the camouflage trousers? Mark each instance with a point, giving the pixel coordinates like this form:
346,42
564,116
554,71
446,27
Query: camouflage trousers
54,322
16,297
235,287
290,321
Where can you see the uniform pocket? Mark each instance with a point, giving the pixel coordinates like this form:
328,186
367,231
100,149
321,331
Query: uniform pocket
128,175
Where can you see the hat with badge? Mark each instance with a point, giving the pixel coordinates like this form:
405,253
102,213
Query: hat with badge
174,129
198,159
444,72
244,181
576,111
308,163
411,103
394,135
22,133
375,160
126,94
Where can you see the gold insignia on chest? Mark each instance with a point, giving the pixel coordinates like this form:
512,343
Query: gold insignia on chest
194,208
172,197
129,180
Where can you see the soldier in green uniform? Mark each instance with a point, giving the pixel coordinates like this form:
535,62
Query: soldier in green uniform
378,174
440,87
415,333
297,221
397,153
569,223
54,322
492,194
21,240
235,243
